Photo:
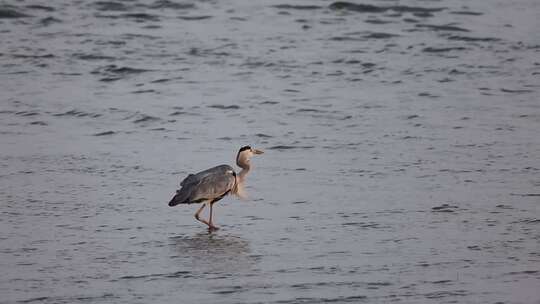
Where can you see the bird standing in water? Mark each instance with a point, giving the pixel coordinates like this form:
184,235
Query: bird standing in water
209,186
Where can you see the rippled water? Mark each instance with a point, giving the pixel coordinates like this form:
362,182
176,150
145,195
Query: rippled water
402,151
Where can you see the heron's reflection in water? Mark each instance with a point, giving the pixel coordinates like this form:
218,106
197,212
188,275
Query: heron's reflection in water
213,253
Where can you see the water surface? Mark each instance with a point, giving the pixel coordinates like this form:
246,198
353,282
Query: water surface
401,143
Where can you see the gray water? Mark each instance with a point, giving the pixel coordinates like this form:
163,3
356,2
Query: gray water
402,151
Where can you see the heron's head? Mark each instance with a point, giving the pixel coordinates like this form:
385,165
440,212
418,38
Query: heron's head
244,155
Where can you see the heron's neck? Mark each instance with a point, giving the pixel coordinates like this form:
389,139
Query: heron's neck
245,169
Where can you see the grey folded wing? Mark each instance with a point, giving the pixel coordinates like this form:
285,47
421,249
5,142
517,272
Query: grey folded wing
209,184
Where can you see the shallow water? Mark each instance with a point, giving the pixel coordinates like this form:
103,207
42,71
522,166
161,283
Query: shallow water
402,151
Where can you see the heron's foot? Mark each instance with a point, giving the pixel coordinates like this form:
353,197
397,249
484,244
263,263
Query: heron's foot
212,228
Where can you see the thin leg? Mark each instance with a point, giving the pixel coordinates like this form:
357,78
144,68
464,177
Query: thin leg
210,219
211,226
198,218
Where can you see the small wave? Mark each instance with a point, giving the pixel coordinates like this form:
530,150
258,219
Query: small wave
256,64
376,285
361,8
444,208
450,28
229,290
71,299
176,113
423,14
358,36
38,299
138,36
369,8
161,80
466,13
33,56
121,70
297,7
138,17
378,21
339,299
442,50
224,107
376,35
114,72
110,6
190,18
39,123
412,116
529,221
517,91
473,39
525,194
304,110
76,113
286,147
143,91
177,274
26,113
104,133
523,272
115,43
8,13
261,135
440,282
143,118
83,56
166,4
41,7
49,20
365,225
443,294
410,20
109,79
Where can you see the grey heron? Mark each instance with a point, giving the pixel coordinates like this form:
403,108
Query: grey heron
211,185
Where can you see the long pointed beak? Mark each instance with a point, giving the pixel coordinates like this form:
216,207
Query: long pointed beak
257,151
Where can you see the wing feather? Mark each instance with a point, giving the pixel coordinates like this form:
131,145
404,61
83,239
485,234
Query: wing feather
207,185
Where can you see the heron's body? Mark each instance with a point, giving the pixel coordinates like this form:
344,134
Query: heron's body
208,185
211,185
